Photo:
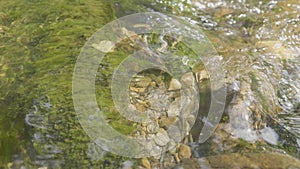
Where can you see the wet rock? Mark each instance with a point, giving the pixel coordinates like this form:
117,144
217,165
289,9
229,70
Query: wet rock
184,151
186,127
142,79
240,113
143,83
162,138
194,163
202,75
148,147
191,119
152,127
168,161
104,46
140,107
127,165
176,156
248,160
269,135
167,121
188,79
172,147
142,102
174,94
240,125
188,138
158,101
153,84
174,108
174,85
142,90
253,160
145,163
175,133
155,163
134,89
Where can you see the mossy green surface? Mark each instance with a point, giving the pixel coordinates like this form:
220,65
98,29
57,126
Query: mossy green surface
39,48
39,43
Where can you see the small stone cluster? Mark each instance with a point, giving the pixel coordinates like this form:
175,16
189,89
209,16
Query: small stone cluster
168,102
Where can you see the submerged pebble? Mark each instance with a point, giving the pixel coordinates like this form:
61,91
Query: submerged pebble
174,85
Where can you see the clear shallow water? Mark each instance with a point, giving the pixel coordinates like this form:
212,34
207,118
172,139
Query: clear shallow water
40,42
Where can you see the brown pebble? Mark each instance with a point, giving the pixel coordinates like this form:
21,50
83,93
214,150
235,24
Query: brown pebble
176,156
167,121
142,90
143,84
133,89
153,84
146,163
184,151
140,108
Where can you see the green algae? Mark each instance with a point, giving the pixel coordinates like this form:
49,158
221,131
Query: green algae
42,43
38,50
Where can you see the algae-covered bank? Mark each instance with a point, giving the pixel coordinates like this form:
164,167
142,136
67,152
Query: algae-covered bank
40,42
256,43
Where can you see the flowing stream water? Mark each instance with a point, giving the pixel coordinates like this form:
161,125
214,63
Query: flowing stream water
258,45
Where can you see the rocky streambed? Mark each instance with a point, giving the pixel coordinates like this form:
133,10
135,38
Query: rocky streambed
258,47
